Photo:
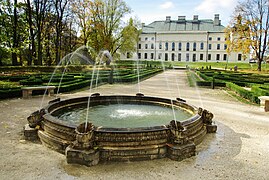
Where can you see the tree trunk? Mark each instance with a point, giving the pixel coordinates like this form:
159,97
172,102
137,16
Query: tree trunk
39,50
15,39
32,36
259,65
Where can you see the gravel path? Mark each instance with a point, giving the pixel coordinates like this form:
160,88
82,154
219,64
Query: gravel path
239,149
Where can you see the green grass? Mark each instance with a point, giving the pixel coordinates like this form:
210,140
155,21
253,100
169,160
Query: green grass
192,78
239,98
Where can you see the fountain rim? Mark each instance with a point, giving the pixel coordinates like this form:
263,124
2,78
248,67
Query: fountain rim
49,109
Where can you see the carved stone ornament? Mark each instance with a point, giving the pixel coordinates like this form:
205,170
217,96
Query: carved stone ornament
178,132
84,136
35,118
206,116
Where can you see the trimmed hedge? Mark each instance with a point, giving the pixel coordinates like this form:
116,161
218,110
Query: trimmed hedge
31,81
260,90
243,92
10,93
203,83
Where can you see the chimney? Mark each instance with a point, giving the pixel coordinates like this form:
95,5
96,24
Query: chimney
195,17
168,18
216,20
181,18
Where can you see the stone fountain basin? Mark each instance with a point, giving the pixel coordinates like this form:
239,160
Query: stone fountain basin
122,144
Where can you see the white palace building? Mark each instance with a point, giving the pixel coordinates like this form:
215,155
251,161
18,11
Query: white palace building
185,40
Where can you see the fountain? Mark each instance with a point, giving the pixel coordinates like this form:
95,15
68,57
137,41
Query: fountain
143,137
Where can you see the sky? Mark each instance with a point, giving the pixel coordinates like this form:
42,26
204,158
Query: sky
148,11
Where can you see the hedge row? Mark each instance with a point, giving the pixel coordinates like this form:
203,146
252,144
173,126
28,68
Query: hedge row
260,90
10,93
80,85
243,92
134,77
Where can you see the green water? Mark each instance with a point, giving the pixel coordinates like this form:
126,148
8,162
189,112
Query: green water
123,115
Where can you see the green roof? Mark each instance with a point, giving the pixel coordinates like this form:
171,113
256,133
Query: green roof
185,25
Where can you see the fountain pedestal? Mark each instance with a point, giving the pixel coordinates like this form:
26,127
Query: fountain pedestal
179,152
82,150
88,157
30,134
30,130
179,147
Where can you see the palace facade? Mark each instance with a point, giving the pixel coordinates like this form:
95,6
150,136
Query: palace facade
185,40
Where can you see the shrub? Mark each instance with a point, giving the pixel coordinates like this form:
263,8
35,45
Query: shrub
10,93
203,83
243,92
259,90
31,82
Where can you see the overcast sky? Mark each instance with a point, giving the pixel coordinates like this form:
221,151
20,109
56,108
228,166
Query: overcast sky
148,11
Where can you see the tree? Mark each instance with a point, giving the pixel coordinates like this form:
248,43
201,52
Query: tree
248,30
12,34
41,8
106,24
129,38
15,34
82,12
31,46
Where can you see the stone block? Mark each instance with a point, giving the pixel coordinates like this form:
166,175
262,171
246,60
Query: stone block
30,134
180,152
211,128
88,157
266,105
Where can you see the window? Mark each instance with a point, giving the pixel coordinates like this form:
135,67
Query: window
166,46
225,46
209,46
146,38
209,57
146,46
194,57
187,57
202,46
139,55
160,45
152,38
152,46
139,46
179,46
218,57
218,38
218,46
166,56
188,46
160,56
179,57
173,57
140,39
239,57
146,56
128,55
224,57
173,46
194,46
210,38
152,56
201,57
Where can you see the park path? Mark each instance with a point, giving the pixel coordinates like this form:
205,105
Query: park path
239,149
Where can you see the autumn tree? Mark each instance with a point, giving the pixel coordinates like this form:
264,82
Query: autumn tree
106,24
129,38
61,8
82,13
248,30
